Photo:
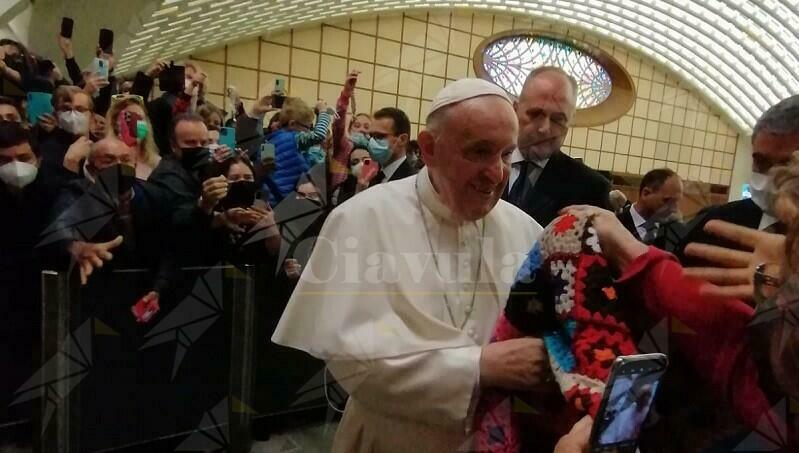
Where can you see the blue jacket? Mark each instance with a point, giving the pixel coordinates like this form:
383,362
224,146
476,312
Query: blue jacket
290,165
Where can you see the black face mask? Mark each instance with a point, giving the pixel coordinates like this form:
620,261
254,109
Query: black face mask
117,179
240,194
194,159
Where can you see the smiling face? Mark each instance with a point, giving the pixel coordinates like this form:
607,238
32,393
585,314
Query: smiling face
545,109
468,154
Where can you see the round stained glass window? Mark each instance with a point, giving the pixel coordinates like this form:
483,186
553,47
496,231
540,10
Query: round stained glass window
508,61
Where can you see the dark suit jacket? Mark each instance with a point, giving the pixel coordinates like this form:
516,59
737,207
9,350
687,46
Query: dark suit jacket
564,182
667,237
403,171
742,212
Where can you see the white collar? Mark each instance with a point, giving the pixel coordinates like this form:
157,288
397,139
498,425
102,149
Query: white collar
391,168
517,157
430,198
638,219
766,221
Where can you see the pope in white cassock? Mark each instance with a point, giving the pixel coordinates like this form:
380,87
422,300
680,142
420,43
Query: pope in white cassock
408,278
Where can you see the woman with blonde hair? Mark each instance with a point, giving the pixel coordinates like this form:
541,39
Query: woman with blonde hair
127,120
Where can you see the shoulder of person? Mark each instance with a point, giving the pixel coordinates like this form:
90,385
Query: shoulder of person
511,214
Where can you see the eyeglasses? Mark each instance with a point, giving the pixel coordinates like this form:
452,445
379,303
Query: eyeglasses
127,97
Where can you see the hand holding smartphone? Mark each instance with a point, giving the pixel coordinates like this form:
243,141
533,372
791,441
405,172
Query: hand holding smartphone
66,27
628,397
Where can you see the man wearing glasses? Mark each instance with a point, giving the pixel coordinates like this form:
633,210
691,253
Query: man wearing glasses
543,179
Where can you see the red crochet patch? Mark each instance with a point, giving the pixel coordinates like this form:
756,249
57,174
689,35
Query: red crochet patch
565,223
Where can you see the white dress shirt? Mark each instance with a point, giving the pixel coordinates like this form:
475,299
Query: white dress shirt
534,173
638,221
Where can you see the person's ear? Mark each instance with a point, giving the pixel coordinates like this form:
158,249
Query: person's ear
427,146
403,140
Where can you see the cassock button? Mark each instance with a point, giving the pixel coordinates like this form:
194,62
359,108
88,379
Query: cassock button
471,332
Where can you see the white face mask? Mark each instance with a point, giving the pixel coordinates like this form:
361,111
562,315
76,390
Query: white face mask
762,189
356,169
73,122
18,174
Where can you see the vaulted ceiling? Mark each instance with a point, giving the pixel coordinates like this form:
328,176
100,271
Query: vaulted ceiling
741,55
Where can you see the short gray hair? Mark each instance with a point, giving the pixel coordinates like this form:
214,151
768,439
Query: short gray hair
781,118
545,69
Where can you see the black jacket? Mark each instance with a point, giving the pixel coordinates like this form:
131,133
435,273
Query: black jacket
563,182
348,187
667,237
741,212
88,212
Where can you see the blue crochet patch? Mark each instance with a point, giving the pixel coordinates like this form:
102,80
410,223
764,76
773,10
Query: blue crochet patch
532,263
559,346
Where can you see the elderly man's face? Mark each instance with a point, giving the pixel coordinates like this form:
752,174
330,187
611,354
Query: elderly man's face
469,161
109,152
545,110
770,149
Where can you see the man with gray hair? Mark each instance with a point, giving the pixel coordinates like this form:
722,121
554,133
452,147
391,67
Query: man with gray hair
543,179
400,298
774,138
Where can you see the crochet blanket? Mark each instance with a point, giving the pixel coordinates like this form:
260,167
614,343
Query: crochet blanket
565,292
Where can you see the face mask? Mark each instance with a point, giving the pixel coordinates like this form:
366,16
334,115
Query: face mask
73,122
240,194
118,178
18,174
379,150
356,169
359,140
762,190
194,159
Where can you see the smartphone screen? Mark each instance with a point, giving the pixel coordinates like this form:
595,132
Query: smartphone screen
267,152
628,397
66,27
101,67
106,40
280,85
38,105
227,137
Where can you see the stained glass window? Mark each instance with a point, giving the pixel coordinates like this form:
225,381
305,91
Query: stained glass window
508,61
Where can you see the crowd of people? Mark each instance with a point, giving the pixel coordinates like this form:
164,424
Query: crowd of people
113,177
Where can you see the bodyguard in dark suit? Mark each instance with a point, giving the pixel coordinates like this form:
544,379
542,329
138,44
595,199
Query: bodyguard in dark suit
543,179
774,138
651,219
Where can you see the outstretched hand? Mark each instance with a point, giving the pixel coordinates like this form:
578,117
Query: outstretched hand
90,256
734,270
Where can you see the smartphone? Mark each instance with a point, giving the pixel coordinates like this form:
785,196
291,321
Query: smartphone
106,40
101,67
629,394
227,137
280,85
278,100
172,79
66,27
38,105
267,153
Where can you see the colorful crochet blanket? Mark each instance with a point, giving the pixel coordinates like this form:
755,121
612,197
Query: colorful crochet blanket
565,293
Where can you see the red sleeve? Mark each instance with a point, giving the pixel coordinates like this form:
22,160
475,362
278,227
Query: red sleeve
717,344
182,104
342,146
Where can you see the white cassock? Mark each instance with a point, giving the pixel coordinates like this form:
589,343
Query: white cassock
371,302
